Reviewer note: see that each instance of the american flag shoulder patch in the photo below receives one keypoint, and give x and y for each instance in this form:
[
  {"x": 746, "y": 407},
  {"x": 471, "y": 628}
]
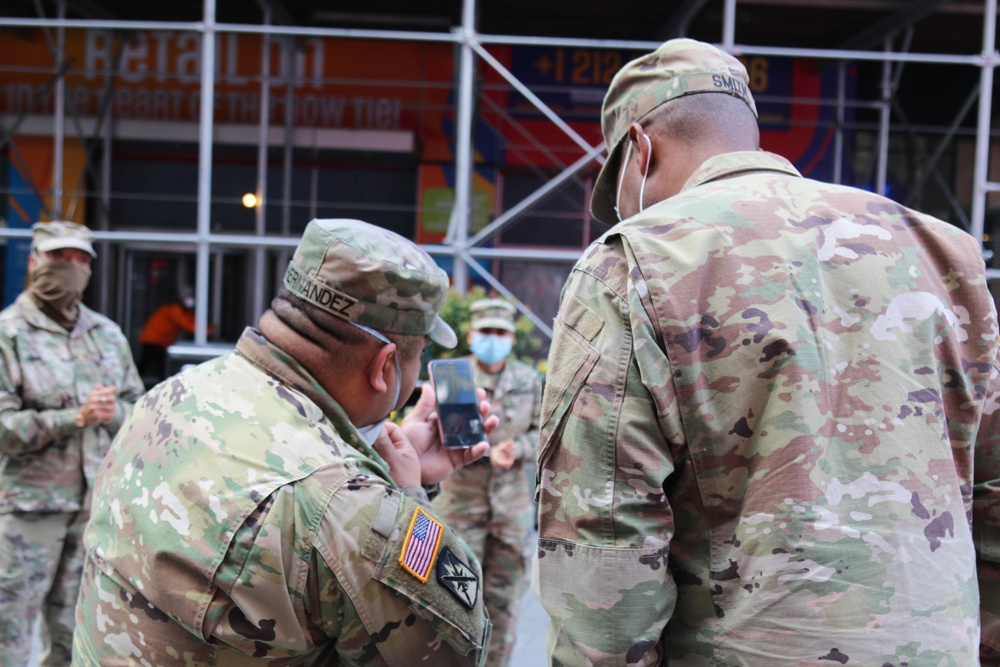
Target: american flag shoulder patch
[{"x": 420, "y": 547}]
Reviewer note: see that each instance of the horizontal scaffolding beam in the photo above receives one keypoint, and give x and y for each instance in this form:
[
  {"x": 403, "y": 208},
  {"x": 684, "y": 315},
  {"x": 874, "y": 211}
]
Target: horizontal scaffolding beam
[
  {"x": 252, "y": 241},
  {"x": 198, "y": 26},
  {"x": 977, "y": 59},
  {"x": 233, "y": 134}
]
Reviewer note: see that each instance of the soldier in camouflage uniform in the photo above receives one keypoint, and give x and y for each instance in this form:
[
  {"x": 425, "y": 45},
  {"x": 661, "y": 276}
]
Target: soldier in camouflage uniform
[
  {"x": 67, "y": 382},
  {"x": 258, "y": 509},
  {"x": 488, "y": 502},
  {"x": 765, "y": 398}
]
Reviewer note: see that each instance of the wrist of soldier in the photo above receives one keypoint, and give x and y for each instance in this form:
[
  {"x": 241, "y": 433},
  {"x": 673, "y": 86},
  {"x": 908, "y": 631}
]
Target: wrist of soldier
[
  {"x": 405, "y": 480},
  {"x": 402, "y": 474},
  {"x": 116, "y": 415},
  {"x": 418, "y": 494}
]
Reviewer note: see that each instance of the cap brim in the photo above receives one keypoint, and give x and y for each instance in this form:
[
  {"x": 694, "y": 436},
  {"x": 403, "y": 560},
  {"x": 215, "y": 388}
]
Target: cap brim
[
  {"x": 602, "y": 202},
  {"x": 442, "y": 334},
  {"x": 493, "y": 323},
  {"x": 57, "y": 244}
]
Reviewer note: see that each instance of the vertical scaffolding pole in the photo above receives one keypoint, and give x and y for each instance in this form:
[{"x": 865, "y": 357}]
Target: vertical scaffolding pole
[
  {"x": 205, "y": 171},
  {"x": 285, "y": 254},
  {"x": 883, "y": 123},
  {"x": 981, "y": 170},
  {"x": 260, "y": 212},
  {"x": 462, "y": 211},
  {"x": 288, "y": 56},
  {"x": 220, "y": 264},
  {"x": 59, "y": 117},
  {"x": 838, "y": 137},
  {"x": 729, "y": 24},
  {"x": 104, "y": 221},
  {"x": 106, "y": 139}
]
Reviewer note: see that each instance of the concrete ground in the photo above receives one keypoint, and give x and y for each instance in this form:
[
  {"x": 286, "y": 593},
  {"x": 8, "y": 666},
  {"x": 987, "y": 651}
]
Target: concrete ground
[{"x": 529, "y": 651}]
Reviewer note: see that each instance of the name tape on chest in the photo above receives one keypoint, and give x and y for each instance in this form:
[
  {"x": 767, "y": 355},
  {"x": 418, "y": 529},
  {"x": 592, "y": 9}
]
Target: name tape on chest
[{"x": 420, "y": 547}]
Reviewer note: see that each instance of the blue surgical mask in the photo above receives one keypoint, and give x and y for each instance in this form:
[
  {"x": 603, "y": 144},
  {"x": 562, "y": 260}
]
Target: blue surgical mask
[
  {"x": 490, "y": 349},
  {"x": 371, "y": 431}
]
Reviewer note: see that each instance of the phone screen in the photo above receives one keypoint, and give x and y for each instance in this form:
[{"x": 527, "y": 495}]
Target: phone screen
[{"x": 459, "y": 420}]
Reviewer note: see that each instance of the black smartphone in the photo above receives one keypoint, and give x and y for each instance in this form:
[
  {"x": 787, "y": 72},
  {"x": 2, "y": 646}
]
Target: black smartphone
[{"x": 459, "y": 421}]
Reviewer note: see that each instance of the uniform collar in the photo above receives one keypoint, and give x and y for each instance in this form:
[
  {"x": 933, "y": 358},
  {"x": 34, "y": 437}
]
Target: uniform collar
[
  {"x": 276, "y": 362},
  {"x": 34, "y": 316},
  {"x": 733, "y": 164},
  {"x": 501, "y": 379}
]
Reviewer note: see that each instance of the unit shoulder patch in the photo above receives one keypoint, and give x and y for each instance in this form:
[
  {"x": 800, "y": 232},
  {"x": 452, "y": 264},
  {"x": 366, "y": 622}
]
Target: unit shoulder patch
[{"x": 460, "y": 579}]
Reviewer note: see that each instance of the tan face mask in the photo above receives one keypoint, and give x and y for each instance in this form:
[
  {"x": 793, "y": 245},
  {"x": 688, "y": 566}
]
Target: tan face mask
[{"x": 57, "y": 288}]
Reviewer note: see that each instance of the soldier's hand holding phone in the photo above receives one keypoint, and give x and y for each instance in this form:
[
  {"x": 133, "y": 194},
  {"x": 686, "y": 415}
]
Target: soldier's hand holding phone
[
  {"x": 420, "y": 426},
  {"x": 459, "y": 422}
]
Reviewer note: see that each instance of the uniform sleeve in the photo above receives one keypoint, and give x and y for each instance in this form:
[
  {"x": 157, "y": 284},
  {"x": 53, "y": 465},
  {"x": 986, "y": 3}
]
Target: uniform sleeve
[
  {"x": 418, "y": 494},
  {"x": 23, "y": 429},
  {"x": 527, "y": 443},
  {"x": 130, "y": 389},
  {"x": 986, "y": 519},
  {"x": 605, "y": 525},
  {"x": 391, "y": 585}
]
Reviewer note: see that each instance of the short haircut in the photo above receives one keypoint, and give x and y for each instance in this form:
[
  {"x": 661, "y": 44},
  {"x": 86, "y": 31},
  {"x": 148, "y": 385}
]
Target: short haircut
[{"x": 712, "y": 118}]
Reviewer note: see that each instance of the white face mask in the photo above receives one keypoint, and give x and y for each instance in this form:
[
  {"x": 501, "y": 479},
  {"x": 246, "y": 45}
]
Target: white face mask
[
  {"x": 370, "y": 432},
  {"x": 642, "y": 187}
]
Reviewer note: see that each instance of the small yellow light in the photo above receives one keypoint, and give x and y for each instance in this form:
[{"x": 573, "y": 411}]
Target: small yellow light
[{"x": 249, "y": 200}]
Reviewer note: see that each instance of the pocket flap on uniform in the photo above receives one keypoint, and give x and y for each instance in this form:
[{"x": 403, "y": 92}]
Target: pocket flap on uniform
[
  {"x": 577, "y": 326},
  {"x": 576, "y": 359},
  {"x": 580, "y": 318}
]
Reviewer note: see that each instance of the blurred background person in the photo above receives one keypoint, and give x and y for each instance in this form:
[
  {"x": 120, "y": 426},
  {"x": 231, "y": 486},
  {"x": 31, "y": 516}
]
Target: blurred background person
[
  {"x": 67, "y": 383},
  {"x": 488, "y": 502},
  {"x": 162, "y": 330}
]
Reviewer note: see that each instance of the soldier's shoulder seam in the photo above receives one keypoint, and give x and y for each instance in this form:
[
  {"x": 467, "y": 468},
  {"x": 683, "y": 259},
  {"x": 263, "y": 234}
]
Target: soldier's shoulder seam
[{"x": 602, "y": 277}]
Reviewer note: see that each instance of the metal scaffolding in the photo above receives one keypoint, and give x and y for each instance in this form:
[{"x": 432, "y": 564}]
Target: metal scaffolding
[{"x": 467, "y": 250}]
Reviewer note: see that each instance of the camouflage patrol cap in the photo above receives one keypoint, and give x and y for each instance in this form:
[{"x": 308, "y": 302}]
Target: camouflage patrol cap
[
  {"x": 370, "y": 276},
  {"x": 492, "y": 314},
  {"x": 49, "y": 236},
  {"x": 677, "y": 68}
]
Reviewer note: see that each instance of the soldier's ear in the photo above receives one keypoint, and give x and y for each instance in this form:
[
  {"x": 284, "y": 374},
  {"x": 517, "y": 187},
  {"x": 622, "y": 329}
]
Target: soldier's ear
[
  {"x": 380, "y": 366},
  {"x": 643, "y": 148}
]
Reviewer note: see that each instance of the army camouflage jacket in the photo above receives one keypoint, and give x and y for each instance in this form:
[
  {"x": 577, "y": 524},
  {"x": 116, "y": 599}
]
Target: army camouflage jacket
[
  {"x": 765, "y": 400},
  {"x": 240, "y": 519},
  {"x": 47, "y": 462},
  {"x": 516, "y": 399}
]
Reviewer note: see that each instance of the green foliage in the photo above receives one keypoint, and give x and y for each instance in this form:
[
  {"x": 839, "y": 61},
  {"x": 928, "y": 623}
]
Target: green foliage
[{"x": 456, "y": 313}]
